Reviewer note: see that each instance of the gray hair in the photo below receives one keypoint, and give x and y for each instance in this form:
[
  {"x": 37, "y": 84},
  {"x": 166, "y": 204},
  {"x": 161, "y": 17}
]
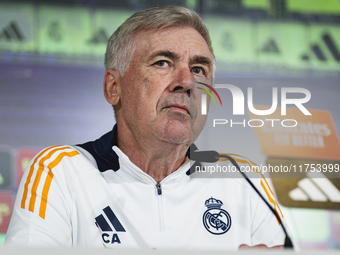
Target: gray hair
[{"x": 120, "y": 46}]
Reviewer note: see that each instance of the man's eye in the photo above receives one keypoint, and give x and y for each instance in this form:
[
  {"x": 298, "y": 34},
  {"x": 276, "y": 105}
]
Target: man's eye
[
  {"x": 161, "y": 63},
  {"x": 198, "y": 70}
]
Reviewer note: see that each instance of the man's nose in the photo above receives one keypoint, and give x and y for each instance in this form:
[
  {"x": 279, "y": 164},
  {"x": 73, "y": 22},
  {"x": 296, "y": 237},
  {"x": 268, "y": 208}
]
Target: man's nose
[{"x": 182, "y": 80}]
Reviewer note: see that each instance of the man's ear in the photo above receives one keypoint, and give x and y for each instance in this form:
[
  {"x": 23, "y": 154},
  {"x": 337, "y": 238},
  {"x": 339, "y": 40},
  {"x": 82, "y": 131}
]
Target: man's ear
[{"x": 112, "y": 86}]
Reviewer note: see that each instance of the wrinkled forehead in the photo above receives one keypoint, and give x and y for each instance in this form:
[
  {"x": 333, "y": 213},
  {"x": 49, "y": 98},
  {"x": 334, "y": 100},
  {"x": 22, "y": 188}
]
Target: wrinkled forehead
[{"x": 182, "y": 40}]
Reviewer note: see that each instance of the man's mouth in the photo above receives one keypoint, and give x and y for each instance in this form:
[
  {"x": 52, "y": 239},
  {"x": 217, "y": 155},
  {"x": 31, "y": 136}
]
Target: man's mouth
[{"x": 180, "y": 108}]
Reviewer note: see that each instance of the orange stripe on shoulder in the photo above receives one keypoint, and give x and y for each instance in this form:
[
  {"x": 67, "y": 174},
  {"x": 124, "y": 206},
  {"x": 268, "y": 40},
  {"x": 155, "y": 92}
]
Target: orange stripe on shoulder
[
  {"x": 271, "y": 200},
  {"x": 29, "y": 176},
  {"x": 38, "y": 176},
  {"x": 49, "y": 178},
  {"x": 39, "y": 166}
]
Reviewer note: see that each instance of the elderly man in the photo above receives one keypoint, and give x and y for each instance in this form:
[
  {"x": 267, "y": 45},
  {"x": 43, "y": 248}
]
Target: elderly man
[{"x": 131, "y": 188}]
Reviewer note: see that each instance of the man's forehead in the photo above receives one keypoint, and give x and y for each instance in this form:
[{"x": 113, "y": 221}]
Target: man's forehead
[{"x": 178, "y": 40}]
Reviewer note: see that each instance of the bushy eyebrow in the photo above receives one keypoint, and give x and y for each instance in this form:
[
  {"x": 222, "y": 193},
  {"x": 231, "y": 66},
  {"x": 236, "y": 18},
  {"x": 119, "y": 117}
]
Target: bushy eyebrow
[
  {"x": 164, "y": 53},
  {"x": 198, "y": 59},
  {"x": 202, "y": 60}
]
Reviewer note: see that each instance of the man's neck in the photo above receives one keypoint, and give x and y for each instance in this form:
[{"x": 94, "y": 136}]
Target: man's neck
[
  {"x": 158, "y": 166},
  {"x": 158, "y": 159}
]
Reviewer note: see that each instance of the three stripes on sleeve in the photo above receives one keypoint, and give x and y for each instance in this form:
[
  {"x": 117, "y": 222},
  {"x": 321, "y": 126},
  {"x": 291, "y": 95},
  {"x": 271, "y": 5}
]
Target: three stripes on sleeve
[{"x": 38, "y": 181}]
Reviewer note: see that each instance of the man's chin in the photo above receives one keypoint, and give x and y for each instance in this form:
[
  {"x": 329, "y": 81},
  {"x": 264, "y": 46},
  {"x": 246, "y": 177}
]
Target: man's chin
[{"x": 176, "y": 133}]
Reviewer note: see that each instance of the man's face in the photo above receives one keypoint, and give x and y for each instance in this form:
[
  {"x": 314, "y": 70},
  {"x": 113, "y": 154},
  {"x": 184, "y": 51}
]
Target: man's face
[{"x": 155, "y": 90}]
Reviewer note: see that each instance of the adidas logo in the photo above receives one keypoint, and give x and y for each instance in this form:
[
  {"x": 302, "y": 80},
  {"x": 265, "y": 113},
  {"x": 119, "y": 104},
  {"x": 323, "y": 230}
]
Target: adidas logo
[
  {"x": 99, "y": 37},
  {"x": 317, "y": 188},
  {"x": 270, "y": 47},
  {"x": 11, "y": 33},
  {"x": 319, "y": 54},
  {"x": 107, "y": 222}
]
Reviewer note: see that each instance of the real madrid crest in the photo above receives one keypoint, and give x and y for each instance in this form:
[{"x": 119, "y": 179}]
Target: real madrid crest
[{"x": 216, "y": 220}]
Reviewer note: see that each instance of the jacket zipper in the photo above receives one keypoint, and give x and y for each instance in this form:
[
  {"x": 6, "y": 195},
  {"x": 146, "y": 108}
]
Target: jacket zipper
[
  {"x": 159, "y": 188},
  {"x": 160, "y": 206}
]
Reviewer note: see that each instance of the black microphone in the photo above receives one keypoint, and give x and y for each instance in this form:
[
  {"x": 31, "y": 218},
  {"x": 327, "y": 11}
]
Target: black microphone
[
  {"x": 204, "y": 156},
  {"x": 214, "y": 156}
]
